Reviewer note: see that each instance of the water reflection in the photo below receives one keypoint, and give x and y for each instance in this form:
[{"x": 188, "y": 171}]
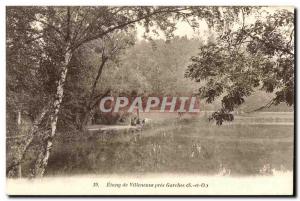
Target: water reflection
[{"x": 185, "y": 148}]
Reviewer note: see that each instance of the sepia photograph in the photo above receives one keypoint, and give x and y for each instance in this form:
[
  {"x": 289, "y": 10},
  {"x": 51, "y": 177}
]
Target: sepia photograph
[{"x": 150, "y": 100}]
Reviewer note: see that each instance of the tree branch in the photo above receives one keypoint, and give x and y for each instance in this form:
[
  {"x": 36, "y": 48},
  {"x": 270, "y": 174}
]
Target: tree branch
[
  {"x": 100, "y": 35},
  {"x": 268, "y": 105}
]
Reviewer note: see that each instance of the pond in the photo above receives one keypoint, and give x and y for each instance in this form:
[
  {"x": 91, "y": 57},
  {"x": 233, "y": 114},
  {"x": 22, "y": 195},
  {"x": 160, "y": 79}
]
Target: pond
[{"x": 189, "y": 145}]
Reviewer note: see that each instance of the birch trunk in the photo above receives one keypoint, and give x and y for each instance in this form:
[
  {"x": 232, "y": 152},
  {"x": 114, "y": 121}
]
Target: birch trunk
[
  {"x": 44, "y": 155},
  {"x": 19, "y": 167},
  {"x": 19, "y": 119},
  {"x": 13, "y": 163}
]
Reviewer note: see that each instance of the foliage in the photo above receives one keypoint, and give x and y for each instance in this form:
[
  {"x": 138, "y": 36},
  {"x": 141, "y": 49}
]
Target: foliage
[{"x": 245, "y": 57}]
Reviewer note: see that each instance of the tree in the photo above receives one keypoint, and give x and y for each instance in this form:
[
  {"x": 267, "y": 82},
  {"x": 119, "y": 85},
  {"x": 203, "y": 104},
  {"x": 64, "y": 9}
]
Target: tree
[
  {"x": 247, "y": 56},
  {"x": 27, "y": 95},
  {"x": 82, "y": 87}
]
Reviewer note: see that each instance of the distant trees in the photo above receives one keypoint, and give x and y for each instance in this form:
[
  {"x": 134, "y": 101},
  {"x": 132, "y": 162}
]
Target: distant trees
[
  {"x": 157, "y": 67},
  {"x": 246, "y": 56}
]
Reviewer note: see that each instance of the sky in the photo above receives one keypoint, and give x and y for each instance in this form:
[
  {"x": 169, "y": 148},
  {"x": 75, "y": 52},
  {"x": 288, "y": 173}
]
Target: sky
[{"x": 184, "y": 29}]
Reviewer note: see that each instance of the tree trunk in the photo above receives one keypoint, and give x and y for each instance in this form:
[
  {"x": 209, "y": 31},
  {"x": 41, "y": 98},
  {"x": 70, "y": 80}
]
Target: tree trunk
[
  {"x": 104, "y": 59},
  {"x": 19, "y": 168},
  {"x": 90, "y": 105},
  {"x": 13, "y": 163},
  {"x": 19, "y": 121},
  {"x": 85, "y": 119},
  {"x": 44, "y": 155},
  {"x": 91, "y": 109}
]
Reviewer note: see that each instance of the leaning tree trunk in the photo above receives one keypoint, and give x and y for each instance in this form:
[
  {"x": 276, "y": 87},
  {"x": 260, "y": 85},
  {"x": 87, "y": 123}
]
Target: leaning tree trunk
[
  {"x": 90, "y": 103},
  {"x": 86, "y": 118},
  {"x": 43, "y": 157},
  {"x": 26, "y": 142}
]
